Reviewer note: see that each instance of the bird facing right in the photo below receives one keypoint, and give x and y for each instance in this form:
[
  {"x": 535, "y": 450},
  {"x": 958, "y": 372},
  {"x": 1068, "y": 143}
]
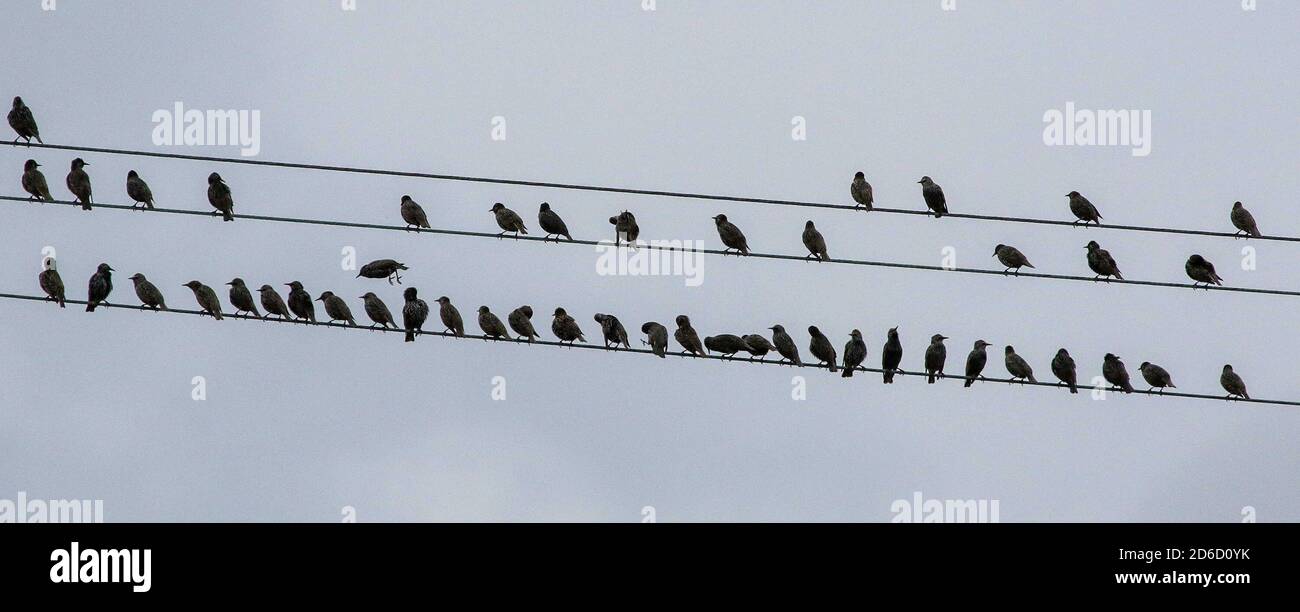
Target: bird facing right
[
  {"x": 79, "y": 183},
  {"x": 34, "y": 183},
  {"x": 51, "y": 283},
  {"x": 855, "y": 352},
  {"x": 521, "y": 320},
  {"x": 891, "y": 356},
  {"x": 101, "y": 284},
  {"x": 975, "y": 362},
  {"x": 935, "y": 356},
  {"x": 220, "y": 198}
]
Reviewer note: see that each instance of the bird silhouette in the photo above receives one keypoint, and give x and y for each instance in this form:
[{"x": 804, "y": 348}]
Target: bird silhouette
[
  {"x": 814, "y": 242},
  {"x": 383, "y": 268},
  {"x": 855, "y": 352},
  {"x": 551, "y": 223},
  {"x": 273, "y": 303},
  {"x": 508, "y": 220},
  {"x": 22, "y": 121},
  {"x": 101, "y": 284},
  {"x": 1083, "y": 210},
  {"x": 933, "y": 195},
  {"x": 820, "y": 346},
  {"x": 891, "y": 356},
  {"x": 220, "y": 198},
  {"x": 413, "y": 214},
  {"x": 450, "y": 317},
  {"x": 336, "y": 308},
  {"x": 34, "y": 183},
  {"x": 656, "y": 338},
  {"x": 1063, "y": 368},
  {"x": 207, "y": 299},
  {"x": 149, "y": 295},
  {"x": 378, "y": 311},
  {"x": 79, "y": 183},
  {"x": 975, "y": 362},
  {"x": 521, "y": 320},
  {"x": 935, "y": 356},
  {"x": 138, "y": 191},
  {"x": 1243, "y": 221},
  {"x": 731, "y": 235},
  {"x": 861, "y": 192},
  {"x": 242, "y": 299},
  {"x": 51, "y": 283},
  {"x": 414, "y": 314}
]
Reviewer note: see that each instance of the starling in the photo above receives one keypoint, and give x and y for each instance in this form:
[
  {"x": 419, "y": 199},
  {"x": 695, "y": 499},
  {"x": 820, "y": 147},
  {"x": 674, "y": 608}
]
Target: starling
[
  {"x": 101, "y": 284},
  {"x": 241, "y": 298},
  {"x": 300, "y": 302},
  {"x": 521, "y": 320},
  {"x": 861, "y": 191},
  {"x": 612, "y": 330},
  {"x": 508, "y": 220},
  {"x": 1011, "y": 257},
  {"x": 34, "y": 182},
  {"x": 21, "y": 120},
  {"x": 149, "y": 295},
  {"x": 935, "y": 355},
  {"x": 625, "y": 228},
  {"x": 656, "y": 338},
  {"x": 414, "y": 314},
  {"x": 1156, "y": 376},
  {"x": 1101, "y": 262},
  {"x": 726, "y": 344},
  {"x": 412, "y": 214},
  {"x": 1083, "y": 209},
  {"x": 220, "y": 198},
  {"x": 1243, "y": 221},
  {"x": 1232, "y": 383},
  {"x": 934, "y": 199},
  {"x": 785, "y": 346},
  {"x": 1018, "y": 367},
  {"x": 565, "y": 328},
  {"x": 731, "y": 235},
  {"x": 51, "y": 283},
  {"x": 758, "y": 346},
  {"x": 1063, "y": 368},
  {"x": 138, "y": 191},
  {"x": 855, "y": 352},
  {"x": 821, "y": 348},
  {"x": 551, "y": 223},
  {"x": 491, "y": 325},
  {"x": 812, "y": 239},
  {"x": 79, "y": 183},
  {"x": 975, "y": 362},
  {"x": 336, "y": 308},
  {"x": 206, "y": 297},
  {"x": 383, "y": 268},
  {"x": 1201, "y": 271},
  {"x": 891, "y": 356},
  {"x": 451, "y": 320},
  {"x": 378, "y": 312},
  {"x": 273, "y": 303},
  {"x": 1112, "y": 369},
  {"x": 688, "y": 338}
]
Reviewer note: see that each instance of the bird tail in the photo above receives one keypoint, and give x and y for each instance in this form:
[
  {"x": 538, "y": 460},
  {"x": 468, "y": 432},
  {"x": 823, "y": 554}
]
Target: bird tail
[
  {"x": 217, "y": 315},
  {"x": 1255, "y": 233},
  {"x": 1074, "y": 388},
  {"x": 1032, "y": 379},
  {"x": 930, "y": 378},
  {"x": 85, "y": 204},
  {"x": 848, "y": 372},
  {"x": 90, "y": 306},
  {"x": 1128, "y": 388},
  {"x": 410, "y": 336},
  {"x": 61, "y": 304},
  {"x": 227, "y": 214},
  {"x": 832, "y": 366},
  {"x": 1118, "y": 275},
  {"x": 969, "y": 381},
  {"x": 889, "y": 377}
]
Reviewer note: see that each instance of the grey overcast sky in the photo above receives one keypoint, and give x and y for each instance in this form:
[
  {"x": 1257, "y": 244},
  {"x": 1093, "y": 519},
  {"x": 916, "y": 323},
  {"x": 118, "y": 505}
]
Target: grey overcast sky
[{"x": 699, "y": 96}]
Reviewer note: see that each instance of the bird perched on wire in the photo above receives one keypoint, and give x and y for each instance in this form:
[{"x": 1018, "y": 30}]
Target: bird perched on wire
[
  {"x": 51, "y": 283},
  {"x": 1083, "y": 209},
  {"x": 377, "y": 310},
  {"x": 1156, "y": 376},
  {"x": 566, "y": 328},
  {"x": 220, "y": 198},
  {"x": 975, "y": 362},
  {"x": 413, "y": 214},
  {"x": 101, "y": 284},
  {"x": 820, "y": 346},
  {"x": 1232, "y": 383},
  {"x": 138, "y": 191},
  {"x": 1018, "y": 367},
  {"x": 34, "y": 182},
  {"x": 383, "y": 268},
  {"x": 935, "y": 356},
  {"x": 273, "y": 303},
  {"x": 656, "y": 338},
  {"x": 625, "y": 228},
  {"x": 687, "y": 337},
  {"x": 22, "y": 121},
  {"x": 933, "y": 195},
  {"x": 79, "y": 183},
  {"x": 551, "y": 223},
  {"x": 521, "y": 320},
  {"x": 300, "y": 302},
  {"x": 508, "y": 220},
  {"x": 414, "y": 314},
  {"x": 1201, "y": 271},
  {"x": 1101, "y": 262},
  {"x": 207, "y": 299},
  {"x": 726, "y": 345},
  {"x": 149, "y": 295},
  {"x": 891, "y": 356},
  {"x": 758, "y": 346},
  {"x": 612, "y": 330},
  {"x": 336, "y": 308},
  {"x": 785, "y": 346},
  {"x": 861, "y": 192},
  {"x": 814, "y": 242},
  {"x": 1063, "y": 368},
  {"x": 1113, "y": 370},
  {"x": 855, "y": 352},
  {"x": 491, "y": 325},
  {"x": 1243, "y": 221},
  {"x": 450, "y": 317},
  {"x": 241, "y": 298},
  {"x": 1011, "y": 257},
  {"x": 731, "y": 235}
]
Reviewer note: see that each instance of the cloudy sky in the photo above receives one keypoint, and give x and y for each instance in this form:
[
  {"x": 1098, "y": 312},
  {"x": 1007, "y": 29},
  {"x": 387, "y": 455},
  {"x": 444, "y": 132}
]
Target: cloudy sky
[{"x": 300, "y": 423}]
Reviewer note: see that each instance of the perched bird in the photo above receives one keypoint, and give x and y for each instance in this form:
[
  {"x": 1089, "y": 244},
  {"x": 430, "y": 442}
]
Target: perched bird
[
  {"x": 51, "y": 283},
  {"x": 414, "y": 313},
  {"x": 508, "y": 220},
  {"x": 1083, "y": 209},
  {"x": 891, "y": 356},
  {"x": 1243, "y": 221},
  {"x": 758, "y": 346},
  {"x": 377, "y": 310},
  {"x": 815, "y": 243},
  {"x": 625, "y": 228},
  {"x": 861, "y": 192},
  {"x": 34, "y": 182},
  {"x": 656, "y": 338},
  {"x": 612, "y": 330},
  {"x": 687, "y": 337},
  {"x": 1018, "y": 367},
  {"x": 300, "y": 302},
  {"x": 1156, "y": 376},
  {"x": 566, "y": 328},
  {"x": 785, "y": 345},
  {"x": 79, "y": 183},
  {"x": 820, "y": 346},
  {"x": 491, "y": 325},
  {"x": 1201, "y": 271},
  {"x": 521, "y": 320},
  {"x": 731, "y": 235},
  {"x": 1233, "y": 383},
  {"x": 1063, "y": 368},
  {"x": 412, "y": 214},
  {"x": 220, "y": 198},
  {"x": 933, "y": 195},
  {"x": 1011, "y": 257},
  {"x": 726, "y": 344},
  {"x": 551, "y": 223},
  {"x": 935, "y": 355},
  {"x": 383, "y": 268},
  {"x": 138, "y": 191},
  {"x": 101, "y": 284},
  {"x": 1101, "y": 262},
  {"x": 149, "y": 295},
  {"x": 855, "y": 352},
  {"x": 975, "y": 362},
  {"x": 206, "y": 297},
  {"x": 273, "y": 303},
  {"x": 451, "y": 320},
  {"x": 336, "y": 308},
  {"x": 1113, "y": 370},
  {"x": 22, "y": 121},
  {"x": 241, "y": 298}
]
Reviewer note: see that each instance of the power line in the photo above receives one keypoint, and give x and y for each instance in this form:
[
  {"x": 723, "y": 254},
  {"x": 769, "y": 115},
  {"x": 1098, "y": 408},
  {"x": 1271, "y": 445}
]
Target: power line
[
  {"x": 672, "y": 248},
  {"x": 639, "y": 351},
  {"x": 633, "y": 191}
]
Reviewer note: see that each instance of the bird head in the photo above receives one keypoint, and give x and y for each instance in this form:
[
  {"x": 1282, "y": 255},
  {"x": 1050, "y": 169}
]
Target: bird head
[
  {"x": 980, "y": 344},
  {"x": 1010, "y": 350},
  {"x": 193, "y": 285},
  {"x": 49, "y": 264},
  {"x": 18, "y": 102},
  {"x": 1196, "y": 260},
  {"x": 893, "y": 332},
  {"x": 137, "y": 277},
  {"x": 1063, "y": 353},
  {"x": 1236, "y": 205},
  {"x": 30, "y": 165},
  {"x": 859, "y": 177},
  {"x": 496, "y": 207},
  {"x": 855, "y": 334},
  {"x": 78, "y": 163},
  {"x": 215, "y": 178},
  {"x": 997, "y": 249},
  {"x": 1092, "y": 245},
  {"x": 444, "y": 300},
  {"x": 527, "y": 310},
  {"x": 104, "y": 268},
  {"x": 266, "y": 288},
  {"x": 809, "y": 225},
  {"x": 324, "y": 296},
  {"x": 406, "y": 198},
  {"x": 1227, "y": 367},
  {"x": 295, "y": 285},
  {"x": 780, "y": 329},
  {"x": 1110, "y": 357},
  {"x": 646, "y": 327},
  {"x": 132, "y": 174},
  {"x": 545, "y": 206},
  {"x": 409, "y": 294},
  {"x": 1145, "y": 365},
  {"x": 925, "y": 180},
  {"x": 1072, "y": 195},
  {"x": 600, "y": 318},
  {"x": 938, "y": 338},
  {"x": 720, "y": 219},
  {"x": 236, "y": 282},
  {"x": 483, "y": 310},
  {"x": 812, "y": 330},
  {"x": 370, "y": 295},
  {"x": 559, "y": 312}
]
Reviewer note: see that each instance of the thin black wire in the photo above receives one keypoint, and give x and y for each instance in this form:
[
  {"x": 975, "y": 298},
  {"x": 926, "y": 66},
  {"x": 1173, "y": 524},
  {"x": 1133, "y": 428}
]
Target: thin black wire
[
  {"x": 631, "y": 191},
  {"x": 641, "y": 351},
  {"x": 661, "y": 247}
]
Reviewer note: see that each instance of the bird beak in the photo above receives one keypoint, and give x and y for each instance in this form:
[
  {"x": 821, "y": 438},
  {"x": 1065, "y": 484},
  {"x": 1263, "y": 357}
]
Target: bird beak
[
  {"x": 112, "y": 269},
  {"x": 918, "y": 181},
  {"x": 358, "y": 275},
  {"x": 231, "y": 284}
]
